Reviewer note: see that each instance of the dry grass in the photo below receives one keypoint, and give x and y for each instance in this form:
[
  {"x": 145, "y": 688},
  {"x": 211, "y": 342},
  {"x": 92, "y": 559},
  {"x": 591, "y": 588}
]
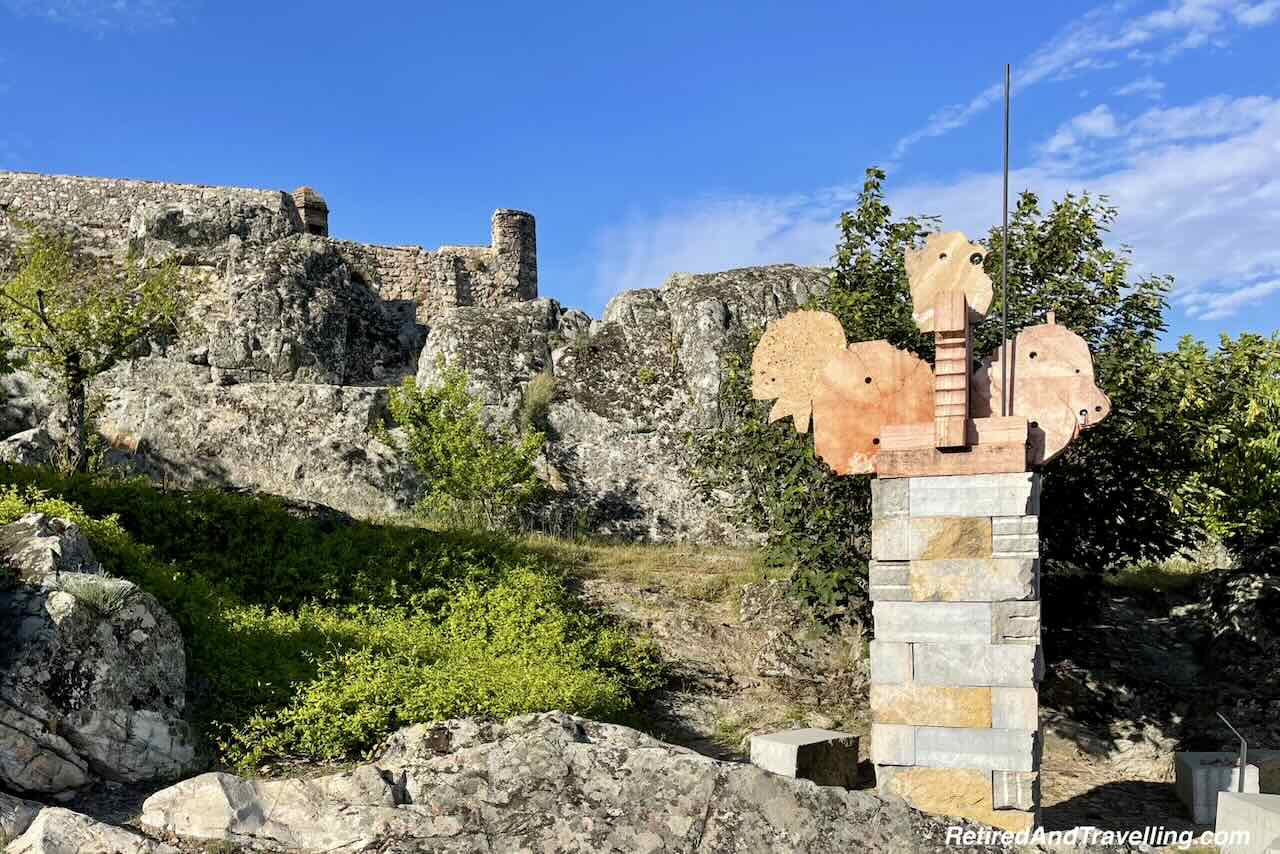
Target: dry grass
[
  {"x": 1177, "y": 573},
  {"x": 705, "y": 573}
]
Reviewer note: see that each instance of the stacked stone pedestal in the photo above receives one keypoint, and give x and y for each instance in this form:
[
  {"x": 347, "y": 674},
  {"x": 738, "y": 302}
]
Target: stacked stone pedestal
[{"x": 956, "y": 659}]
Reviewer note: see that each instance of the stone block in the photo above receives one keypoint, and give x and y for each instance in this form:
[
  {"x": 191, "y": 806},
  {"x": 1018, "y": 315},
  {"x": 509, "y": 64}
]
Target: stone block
[
  {"x": 1015, "y": 790},
  {"x": 974, "y": 580},
  {"x": 962, "y": 792},
  {"x": 889, "y": 497},
  {"x": 890, "y": 663},
  {"x": 933, "y": 622},
  {"x": 931, "y": 705},
  {"x": 893, "y": 744},
  {"x": 891, "y": 538},
  {"x": 1011, "y": 665},
  {"x": 888, "y": 580},
  {"x": 1015, "y": 708},
  {"x": 1012, "y": 526},
  {"x": 941, "y": 537},
  {"x": 1015, "y": 622},
  {"x": 959, "y": 747},
  {"x": 1198, "y": 777},
  {"x": 1254, "y": 821},
  {"x": 827, "y": 757},
  {"x": 1014, "y": 494}
]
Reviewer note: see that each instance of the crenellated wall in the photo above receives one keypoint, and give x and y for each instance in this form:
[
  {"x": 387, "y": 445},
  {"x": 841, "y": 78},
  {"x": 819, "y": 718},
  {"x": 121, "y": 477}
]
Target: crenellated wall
[{"x": 210, "y": 224}]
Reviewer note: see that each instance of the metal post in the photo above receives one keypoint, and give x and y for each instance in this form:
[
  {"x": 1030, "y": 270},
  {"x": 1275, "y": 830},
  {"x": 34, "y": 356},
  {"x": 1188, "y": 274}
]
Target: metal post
[
  {"x": 1244, "y": 754},
  {"x": 1006, "y": 394}
]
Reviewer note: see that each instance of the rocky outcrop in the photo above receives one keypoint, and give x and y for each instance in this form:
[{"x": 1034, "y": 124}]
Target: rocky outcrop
[
  {"x": 629, "y": 389},
  {"x": 297, "y": 336},
  {"x": 93, "y": 674},
  {"x": 547, "y": 782},
  {"x": 61, "y": 831}
]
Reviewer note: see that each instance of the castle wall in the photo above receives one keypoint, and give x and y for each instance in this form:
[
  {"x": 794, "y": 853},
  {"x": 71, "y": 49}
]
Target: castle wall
[
  {"x": 114, "y": 215},
  {"x": 108, "y": 212}
]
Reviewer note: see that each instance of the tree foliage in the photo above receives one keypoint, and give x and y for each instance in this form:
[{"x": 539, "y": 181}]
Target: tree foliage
[
  {"x": 1228, "y": 404},
  {"x": 73, "y": 316},
  {"x": 470, "y": 475},
  {"x": 1107, "y": 500}
]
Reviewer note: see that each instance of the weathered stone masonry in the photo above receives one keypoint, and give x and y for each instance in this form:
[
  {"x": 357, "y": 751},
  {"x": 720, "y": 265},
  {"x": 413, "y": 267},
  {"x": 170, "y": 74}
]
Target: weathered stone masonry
[
  {"x": 956, "y": 659},
  {"x": 114, "y": 214}
]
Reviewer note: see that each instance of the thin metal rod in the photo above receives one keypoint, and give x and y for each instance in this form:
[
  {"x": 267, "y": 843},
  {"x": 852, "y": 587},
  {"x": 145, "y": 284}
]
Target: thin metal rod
[
  {"x": 1244, "y": 753},
  {"x": 1006, "y": 396}
]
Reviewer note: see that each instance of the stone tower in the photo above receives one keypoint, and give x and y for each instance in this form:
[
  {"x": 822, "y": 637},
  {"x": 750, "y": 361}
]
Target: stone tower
[
  {"x": 513, "y": 237},
  {"x": 313, "y": 211}
]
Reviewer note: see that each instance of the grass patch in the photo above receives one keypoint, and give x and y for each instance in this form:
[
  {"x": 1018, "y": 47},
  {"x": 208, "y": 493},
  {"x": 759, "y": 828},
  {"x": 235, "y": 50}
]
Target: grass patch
[
  {"x": 704, "y": 573},
  {"x": 316, "y": 637},
  {"x": 1172, "y": 575}
]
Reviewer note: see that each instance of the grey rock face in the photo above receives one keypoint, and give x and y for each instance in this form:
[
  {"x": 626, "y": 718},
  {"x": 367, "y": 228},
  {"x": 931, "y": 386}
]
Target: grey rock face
[
  {"x": 628, "y": 389},
  {"x": 16, "y": 816},
  {"x": 548, "y": 782},
  {"x": 93, "y": 681},
  {"x": 38, "y": 546},
  {"x": 61, "y": 831}
]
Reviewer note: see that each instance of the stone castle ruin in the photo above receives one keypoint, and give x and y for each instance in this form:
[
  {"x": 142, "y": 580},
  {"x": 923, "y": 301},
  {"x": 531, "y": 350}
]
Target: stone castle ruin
[{"x": 299, "y": 335}]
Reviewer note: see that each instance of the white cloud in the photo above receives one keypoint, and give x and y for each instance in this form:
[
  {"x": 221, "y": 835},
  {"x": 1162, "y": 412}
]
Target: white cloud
[
  {"x": 1197, "y": 187},
  {"x": 1217, "y": 304},
  {"x": 718, "y": 234},
  {"x": 99, "y": 15},
  {"x": 1144, "y": 87},
  {"x": 1102, "y": 38}
]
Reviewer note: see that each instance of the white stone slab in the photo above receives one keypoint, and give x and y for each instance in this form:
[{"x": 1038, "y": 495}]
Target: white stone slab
[
  {"x": 891, "y": 538},
  {"x": 974, "y": 580},
  {"x": 890, "y": 663},
  {"x": 1254, "y": 819},
  {"x": 1015, "y": 622},
  {"x": 964, "y": 747},
  {"x": 977, "y": 664},
  {"x": 889, "y": 497},
  {"x": 889, "y": 581},
  {"x": 1198, "y": 777},
  {"x": 1015, "y": 494},
  {"x": 827, "y": 757},
  {"x": 893, "y": 744},
  {"x": 933, "y": 622}
]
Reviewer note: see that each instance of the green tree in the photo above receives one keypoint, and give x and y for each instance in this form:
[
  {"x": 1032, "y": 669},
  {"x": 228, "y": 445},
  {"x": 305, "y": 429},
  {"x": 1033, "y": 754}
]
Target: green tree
[
  {"x": 73, "y": 316},
  {"x": 1107, "y": 500},
  {"x": 1229, "y": 403},
  {"x": 469, "y": 473}
]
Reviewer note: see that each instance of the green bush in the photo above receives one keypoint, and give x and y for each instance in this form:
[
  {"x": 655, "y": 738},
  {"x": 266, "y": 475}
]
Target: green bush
[
  {"x": 317, "y": 637},
  {"x": 471, "y": 474}
]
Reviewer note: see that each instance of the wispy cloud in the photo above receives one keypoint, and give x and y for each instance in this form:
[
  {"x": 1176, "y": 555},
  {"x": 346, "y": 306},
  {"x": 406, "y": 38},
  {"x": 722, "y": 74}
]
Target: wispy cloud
[
  {"x": 99, "y": 15},
  {"x": 716, "y": 234},
  {"x": 1213, "y": 304},
  {"x": 1144, "y": 87},
  {"x": 1103, "y": 38},
  {"x": 1197, "y": 187}
]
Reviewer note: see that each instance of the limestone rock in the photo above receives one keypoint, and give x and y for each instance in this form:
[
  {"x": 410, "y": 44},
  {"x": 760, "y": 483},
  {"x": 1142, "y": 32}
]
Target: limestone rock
[
  {"x": 94, "y": 682},
  {"x": 964, "y": 792},
  {"x": 33, "y": 447},
  {"x": 61, "y": 831},
  {"x": 534, "y": 783}
]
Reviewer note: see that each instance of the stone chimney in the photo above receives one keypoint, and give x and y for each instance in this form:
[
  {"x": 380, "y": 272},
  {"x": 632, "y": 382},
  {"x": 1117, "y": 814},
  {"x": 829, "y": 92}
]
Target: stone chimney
[{"x": 313, "y": 210}]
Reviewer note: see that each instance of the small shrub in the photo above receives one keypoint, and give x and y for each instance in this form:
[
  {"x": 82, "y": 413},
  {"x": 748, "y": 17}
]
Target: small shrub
[
  {"x": 102, "y": 595},
  {"x": 472, "y": 476},
  {"x": 536, "y": 405}
]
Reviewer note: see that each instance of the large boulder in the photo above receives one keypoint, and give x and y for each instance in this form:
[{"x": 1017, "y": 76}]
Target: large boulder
[
  {"x": 61, "y": 831},
  {"x": 546, "y": 782},
  {"x": 93, "y": 680}
]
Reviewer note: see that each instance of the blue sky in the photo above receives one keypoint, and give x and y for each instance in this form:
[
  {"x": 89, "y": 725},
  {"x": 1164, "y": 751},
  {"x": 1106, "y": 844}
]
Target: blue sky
[{"x": 655, "y": 137}]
